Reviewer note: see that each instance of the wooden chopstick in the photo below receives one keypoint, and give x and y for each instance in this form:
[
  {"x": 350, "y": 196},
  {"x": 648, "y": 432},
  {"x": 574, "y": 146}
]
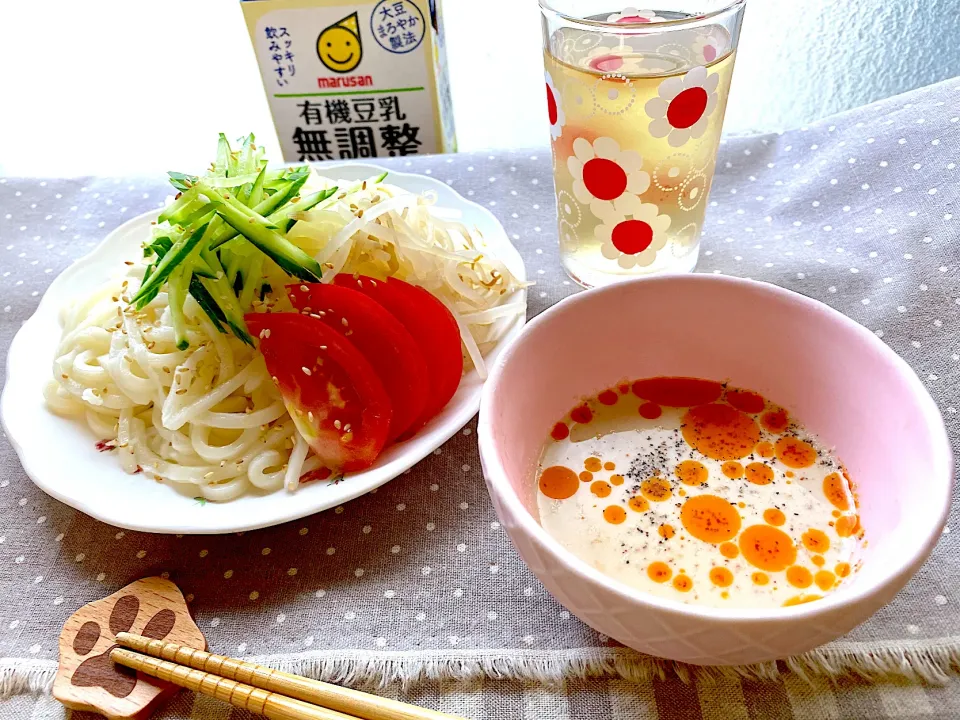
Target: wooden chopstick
[
  {"x": 332, "y": 699},
  {"x": 256, "y": 700}
]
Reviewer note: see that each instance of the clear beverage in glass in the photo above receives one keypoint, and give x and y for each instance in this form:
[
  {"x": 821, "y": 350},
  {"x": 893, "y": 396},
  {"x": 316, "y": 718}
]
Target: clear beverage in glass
[{"x": 636, "y": 99}]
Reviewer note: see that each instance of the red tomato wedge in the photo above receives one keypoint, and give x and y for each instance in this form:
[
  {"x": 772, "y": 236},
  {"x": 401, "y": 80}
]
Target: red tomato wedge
[
  {"x": 338, "y": 403},
  {"x": 382, "y": 340},
  {"x": 432, "y": 326}
]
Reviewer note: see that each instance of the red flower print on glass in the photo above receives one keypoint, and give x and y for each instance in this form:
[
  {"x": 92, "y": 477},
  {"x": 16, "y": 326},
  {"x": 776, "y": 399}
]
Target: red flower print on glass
[
  {"x": 683, "y": 107},
  {"x": 633, "y": 232},
  {"x": 602, "y": 172},
  {"x": 554, "y": 108},
  {"x": 632, "y": 15},
  {"x": 707, "y": 48},
  {"x": 619, "y": 60}
]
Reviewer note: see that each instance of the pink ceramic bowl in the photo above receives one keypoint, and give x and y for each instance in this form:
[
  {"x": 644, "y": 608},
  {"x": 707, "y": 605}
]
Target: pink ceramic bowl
[{"x": 840, "y": 380}]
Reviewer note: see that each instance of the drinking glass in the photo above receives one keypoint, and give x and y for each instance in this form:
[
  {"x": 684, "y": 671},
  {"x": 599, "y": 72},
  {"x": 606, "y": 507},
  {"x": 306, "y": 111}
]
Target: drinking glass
[{"x": 636, "y": 99}]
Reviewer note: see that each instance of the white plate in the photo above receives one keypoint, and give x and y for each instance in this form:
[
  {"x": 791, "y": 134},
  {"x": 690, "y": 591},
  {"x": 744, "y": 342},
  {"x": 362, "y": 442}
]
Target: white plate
[{"x": 59, "y": 454}]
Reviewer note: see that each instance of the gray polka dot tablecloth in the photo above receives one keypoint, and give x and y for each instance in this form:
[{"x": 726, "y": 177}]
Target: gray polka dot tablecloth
[{"x": 419, "y": 582}]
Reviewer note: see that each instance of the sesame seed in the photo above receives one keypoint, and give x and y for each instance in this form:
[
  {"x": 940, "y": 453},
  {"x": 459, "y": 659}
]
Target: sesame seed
[
  {"x": 336, "y": 424},
  {"x": 306, "y": 371},
  {"x": 343, "y": 321}
]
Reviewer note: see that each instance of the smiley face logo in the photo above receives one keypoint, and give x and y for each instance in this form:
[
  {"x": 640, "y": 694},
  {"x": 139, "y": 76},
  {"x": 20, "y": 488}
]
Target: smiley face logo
[{"x": 339, "y": 45}]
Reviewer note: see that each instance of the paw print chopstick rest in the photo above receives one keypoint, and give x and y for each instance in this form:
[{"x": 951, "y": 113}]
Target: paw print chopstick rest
[{"x": 86, "y": 677}]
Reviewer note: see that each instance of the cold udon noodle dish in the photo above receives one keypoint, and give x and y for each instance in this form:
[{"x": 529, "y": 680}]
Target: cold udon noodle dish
[
  {"x": 277, "y": 327},
  {"x": 695, "y": 491}
]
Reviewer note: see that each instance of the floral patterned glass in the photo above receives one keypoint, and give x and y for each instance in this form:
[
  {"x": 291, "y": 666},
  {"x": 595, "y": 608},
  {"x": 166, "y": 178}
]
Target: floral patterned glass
[{"x": 635, "y": 100}]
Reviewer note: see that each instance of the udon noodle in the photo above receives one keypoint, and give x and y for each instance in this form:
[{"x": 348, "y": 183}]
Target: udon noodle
[{"x": 208, "y": 418}]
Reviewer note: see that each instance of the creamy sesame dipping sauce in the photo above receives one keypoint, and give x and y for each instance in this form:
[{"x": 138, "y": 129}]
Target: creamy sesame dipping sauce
[{"x": 703, "y": 493}]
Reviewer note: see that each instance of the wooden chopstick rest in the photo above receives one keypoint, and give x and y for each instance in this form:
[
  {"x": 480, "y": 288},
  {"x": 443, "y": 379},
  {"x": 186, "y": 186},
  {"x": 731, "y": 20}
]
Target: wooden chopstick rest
[
  {"x": 337, "y": 698},
  {"x": 247, "y": 697},
  {"x": 86, "y": 679}
]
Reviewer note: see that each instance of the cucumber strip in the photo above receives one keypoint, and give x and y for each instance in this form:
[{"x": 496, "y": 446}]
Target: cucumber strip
[
  {"x": 241, "y": 332},
  {"x": 207, "y": 304},
  {"x": 194, "y": 263},
  {"x": 170, "y": 212},
  {"x": 201, "y": 268},
  {"x": 284, "y": 216},
  {"x": 222, "y": 299},
  {"x": 255, "y": 196},
  {"x": 267, "y": 207},
  {"x": 296, "y": 180},
  {"x": 158, "y": 247},
  {"x": 181, "y": 181},
  {"x": 229, "y": 262},
  {"x": 176, "y": 297},
  {"x": 167, "y": 264},
  {"x": 255, "y": 228},
  {"x": 253, "y": 276},
  {"x": 291, "y": 259},
  {"x": 222, "y": 164},
  {"x": 222, "y": 295},
  {"x": 275, "y": 178},
  {"x": 233, "y": 180},
  {"x": 234, "y": 207},
  {"x": 234, "y": 258},
  {"x": 148, "y": 298},
  {"x": 201, "y": 216},
  {"x": 247, "y": 161},
  {"x": 313, "y": 201},
  {"x": 185, "y": 215}
]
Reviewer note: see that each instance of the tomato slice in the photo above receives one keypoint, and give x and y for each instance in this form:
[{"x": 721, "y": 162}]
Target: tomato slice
[
  {"x": 339, "y": 405},
  {"x": 382, "y": 340},
  {"x": 432, "y": 326}
]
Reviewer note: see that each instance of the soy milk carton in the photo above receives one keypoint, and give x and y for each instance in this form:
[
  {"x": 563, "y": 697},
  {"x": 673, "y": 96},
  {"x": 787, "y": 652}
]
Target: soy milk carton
[{"x": 357, "y": 79}]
